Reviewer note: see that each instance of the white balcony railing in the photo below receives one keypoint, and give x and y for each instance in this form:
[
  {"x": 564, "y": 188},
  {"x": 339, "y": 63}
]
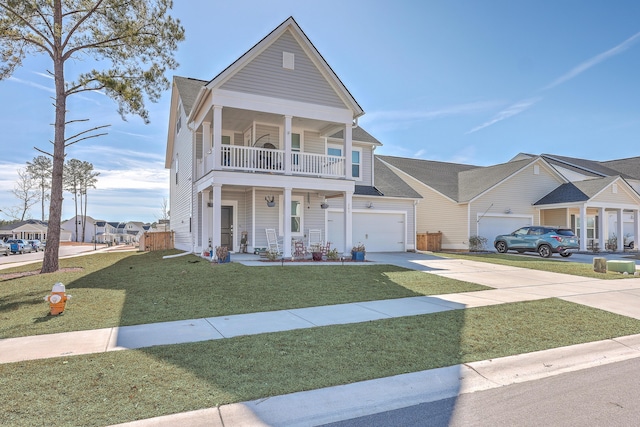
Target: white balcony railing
[{"x": 253, "y": 159}]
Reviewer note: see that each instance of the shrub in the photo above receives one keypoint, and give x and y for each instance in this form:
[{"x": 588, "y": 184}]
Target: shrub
[{"x": 477, "y": 243}]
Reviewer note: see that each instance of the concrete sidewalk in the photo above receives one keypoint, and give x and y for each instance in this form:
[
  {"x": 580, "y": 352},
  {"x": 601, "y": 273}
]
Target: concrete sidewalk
[{"x": 349, "y": 401}]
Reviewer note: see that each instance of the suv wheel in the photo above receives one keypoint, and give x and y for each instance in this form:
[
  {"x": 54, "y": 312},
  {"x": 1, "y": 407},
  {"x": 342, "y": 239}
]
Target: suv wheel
[
  {"x": 565, "y": 254},
  {"x": 544, "y": 251},
  {"x": 502, "y": 247}
]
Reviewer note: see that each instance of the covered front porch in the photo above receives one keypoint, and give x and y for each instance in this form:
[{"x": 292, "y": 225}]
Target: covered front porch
[
  {"x": 603, "y": 227},
  {"x": 233, "y": 211}
]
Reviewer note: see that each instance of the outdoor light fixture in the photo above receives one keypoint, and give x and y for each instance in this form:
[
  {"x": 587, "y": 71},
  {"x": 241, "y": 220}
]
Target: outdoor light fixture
[{"x": 324, "y": 204}]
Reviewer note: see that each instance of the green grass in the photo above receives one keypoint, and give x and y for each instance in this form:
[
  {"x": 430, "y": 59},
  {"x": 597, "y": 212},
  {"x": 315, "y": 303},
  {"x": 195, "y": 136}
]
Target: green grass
[
  {"x": 102, "y": 389},
  {"x": 536, "y": 263},
  {"x": 117, "y": 289}
]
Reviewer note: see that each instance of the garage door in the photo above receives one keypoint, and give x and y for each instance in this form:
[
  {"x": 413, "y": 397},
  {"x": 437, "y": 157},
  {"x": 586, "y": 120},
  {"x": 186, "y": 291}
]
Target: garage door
[
  {"x": 491, "y": 226},
  {"x": 379, "y": 231}
]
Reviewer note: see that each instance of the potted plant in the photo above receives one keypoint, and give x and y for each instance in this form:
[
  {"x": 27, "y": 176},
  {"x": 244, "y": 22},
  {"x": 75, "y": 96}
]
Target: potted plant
[
  {"x": 316, "y": 251},
  {"x": 222, "y": 254},
  {"x": 333, "y": 254},
  {"x": 358, "y": 252}
]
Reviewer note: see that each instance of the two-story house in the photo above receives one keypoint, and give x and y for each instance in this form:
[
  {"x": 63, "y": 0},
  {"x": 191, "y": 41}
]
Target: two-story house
[{"x": 273, "y": 142}]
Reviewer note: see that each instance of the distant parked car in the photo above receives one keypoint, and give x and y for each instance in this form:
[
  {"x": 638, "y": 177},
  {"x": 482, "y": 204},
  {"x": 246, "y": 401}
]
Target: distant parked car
[
  {"x": 5, "y": 248},
  {"x": 629, "y": 241},
  {"x": 543, "y": 240},
  {"x": 20, "y": 246},
  {"x": 37, "y": 245}
]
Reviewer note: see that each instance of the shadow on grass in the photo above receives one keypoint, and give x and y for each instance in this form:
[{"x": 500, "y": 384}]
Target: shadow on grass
[{"x": 259, "y": 366}]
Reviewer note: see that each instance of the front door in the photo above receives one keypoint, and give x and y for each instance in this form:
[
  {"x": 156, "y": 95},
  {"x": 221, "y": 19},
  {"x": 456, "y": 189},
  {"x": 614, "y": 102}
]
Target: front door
[{"x": 226, "y": 227}]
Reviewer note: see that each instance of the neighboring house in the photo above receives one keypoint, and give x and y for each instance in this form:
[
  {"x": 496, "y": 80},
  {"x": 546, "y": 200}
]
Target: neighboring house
[
  {"x": 134, "y": 230},
  {"x": 29, "y": 230},
  {"x": 463, "y": 200},
  {"x": 106, "y": 232},
  {"x": 71, "y": 224},
  {"x": 272, "y": 142}
]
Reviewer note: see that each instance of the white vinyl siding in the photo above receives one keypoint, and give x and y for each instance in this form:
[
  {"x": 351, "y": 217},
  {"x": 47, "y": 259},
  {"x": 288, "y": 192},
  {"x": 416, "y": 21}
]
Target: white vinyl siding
[
  {"x": 265, "y": 76},
  {"x": 180, "y": 195},
  {"x": 516, "y": 194},
  {"x": 621, "y": 197},
  {"x": 436, "y": 213}
]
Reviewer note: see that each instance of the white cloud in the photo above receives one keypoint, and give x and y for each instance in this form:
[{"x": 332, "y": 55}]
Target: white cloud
[
  {"x": 510, "y": 111},
  {"x": 594, "y": 61},
  {"x": 32, "y": 84}
]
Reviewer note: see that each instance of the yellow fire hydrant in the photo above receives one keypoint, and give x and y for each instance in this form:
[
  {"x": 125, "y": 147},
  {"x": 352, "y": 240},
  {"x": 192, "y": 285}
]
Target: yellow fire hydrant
[{"x": 57, "y": 299}]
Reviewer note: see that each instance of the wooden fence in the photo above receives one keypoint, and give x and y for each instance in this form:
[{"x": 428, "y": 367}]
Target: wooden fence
[
  {"x": 156, "y": 241},
  {"x": 429, "y": 241}
]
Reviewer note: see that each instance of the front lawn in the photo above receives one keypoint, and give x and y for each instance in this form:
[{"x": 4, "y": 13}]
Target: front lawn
[
  {"x": 117, "y": 289},
  {"x": 108, "y": 388},
  {"x": 534, "y": 262}
]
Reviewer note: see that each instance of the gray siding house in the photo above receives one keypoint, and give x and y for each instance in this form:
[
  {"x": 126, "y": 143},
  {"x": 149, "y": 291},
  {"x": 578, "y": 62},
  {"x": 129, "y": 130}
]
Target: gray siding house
[{"x": 273, "y": 142}]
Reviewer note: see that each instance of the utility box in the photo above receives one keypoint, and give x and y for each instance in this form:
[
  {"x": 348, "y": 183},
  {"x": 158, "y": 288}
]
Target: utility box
[{"x": 621, "y": 266}]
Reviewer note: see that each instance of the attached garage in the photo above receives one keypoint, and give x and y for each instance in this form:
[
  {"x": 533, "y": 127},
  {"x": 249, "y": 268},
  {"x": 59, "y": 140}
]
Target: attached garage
[
  {"x": 491, "y": 226},
  {"x": 380, "y": 231}
]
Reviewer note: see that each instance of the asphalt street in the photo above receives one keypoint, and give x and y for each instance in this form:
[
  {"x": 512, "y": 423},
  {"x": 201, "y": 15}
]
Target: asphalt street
[
  {"x": 65, "y": 250},
  {"x": 606, "y": 395}
]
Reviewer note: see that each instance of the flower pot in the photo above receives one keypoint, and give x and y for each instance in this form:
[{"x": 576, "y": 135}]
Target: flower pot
[
  {"x": 225, "y": 260},
  {"x": 357, "y": 256},
  {"x": 316, "y": 256}
]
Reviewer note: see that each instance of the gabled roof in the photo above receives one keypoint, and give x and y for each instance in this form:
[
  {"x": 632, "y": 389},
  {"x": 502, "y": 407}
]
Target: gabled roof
[
  {"x": 578, "y": 191},
  {"x": 290, "y": 24},
  {"x": 627, "y": 167},
  {"x": 14, "y": 225},
  {"x": 188, "y": 89},
  {"x": 390, "y": 184},
  {"x": 591, "y": 167},
  {"x": 474, "y": 182},
  {"x": 357, "y": 134},
  {"x": 441, "y": 176}
]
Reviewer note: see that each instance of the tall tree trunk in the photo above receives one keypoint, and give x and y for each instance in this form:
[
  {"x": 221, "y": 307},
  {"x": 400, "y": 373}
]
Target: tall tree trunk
[
  {"x": 75, "y": 199},
  {"x": 42, "y": 194},
  {"x": 83, "y": 213},
  {"x": 50, "y": 261}
]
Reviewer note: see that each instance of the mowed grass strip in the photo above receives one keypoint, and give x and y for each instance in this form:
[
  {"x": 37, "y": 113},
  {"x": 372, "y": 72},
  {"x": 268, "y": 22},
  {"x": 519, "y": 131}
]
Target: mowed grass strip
[
  {"x": 117, "y": 289},
  {"x": 108, "y": 388},
  {"x": 534, "y": 262}
]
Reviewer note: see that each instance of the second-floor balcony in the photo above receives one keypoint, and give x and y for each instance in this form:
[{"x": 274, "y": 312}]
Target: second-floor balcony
[{"x": 260, "y": 159}]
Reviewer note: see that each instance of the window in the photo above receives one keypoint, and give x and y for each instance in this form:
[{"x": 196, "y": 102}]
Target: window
[
  {"x": 356, "y": 159},
  {"x": 179, "y": 117},
  {"x": 355, "y": 163},
  {"x": 176, "y": 171},
  {"x": 295, "y": 147},
  {"x": 297, "y": 213},
  {"x": 296, "y": 217}
]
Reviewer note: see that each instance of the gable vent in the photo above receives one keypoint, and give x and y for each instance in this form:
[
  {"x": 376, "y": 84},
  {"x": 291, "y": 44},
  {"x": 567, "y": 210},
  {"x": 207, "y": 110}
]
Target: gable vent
[
  {"x": 614, "y": 188},
  {"x": 288, "y": 60}
]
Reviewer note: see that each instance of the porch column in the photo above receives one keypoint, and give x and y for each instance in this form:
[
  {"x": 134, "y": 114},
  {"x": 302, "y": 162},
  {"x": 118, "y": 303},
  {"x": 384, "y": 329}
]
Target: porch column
[
  {"x": 602, "y": 231},
  {"x": 216, "y": 238},
  {"x": 217, "y": 138},
  {"x": 348, "y": 218},
  {"x": 348, "y": 147},
  {"x": 636, "y": 227},
  {"x": 286, "y": 223},
  {"x": 583, "y": 227},
  {"x": 620, "y": 230},
  {"x": 206, "y": 147},
  {"x": 206, "y": 219},
  {"x": 287, "y": 145}
]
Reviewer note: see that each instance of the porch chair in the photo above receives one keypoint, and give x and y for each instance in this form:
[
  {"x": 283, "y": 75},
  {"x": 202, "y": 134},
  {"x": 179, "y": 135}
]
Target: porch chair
[
  {"x": 299, "y": 250},
  {"x": 272, "y": 240}
]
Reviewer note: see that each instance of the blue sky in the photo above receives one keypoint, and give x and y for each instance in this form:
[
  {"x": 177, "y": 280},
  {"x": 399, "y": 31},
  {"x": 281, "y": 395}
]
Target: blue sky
[{"x": 455, "y": 81}]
